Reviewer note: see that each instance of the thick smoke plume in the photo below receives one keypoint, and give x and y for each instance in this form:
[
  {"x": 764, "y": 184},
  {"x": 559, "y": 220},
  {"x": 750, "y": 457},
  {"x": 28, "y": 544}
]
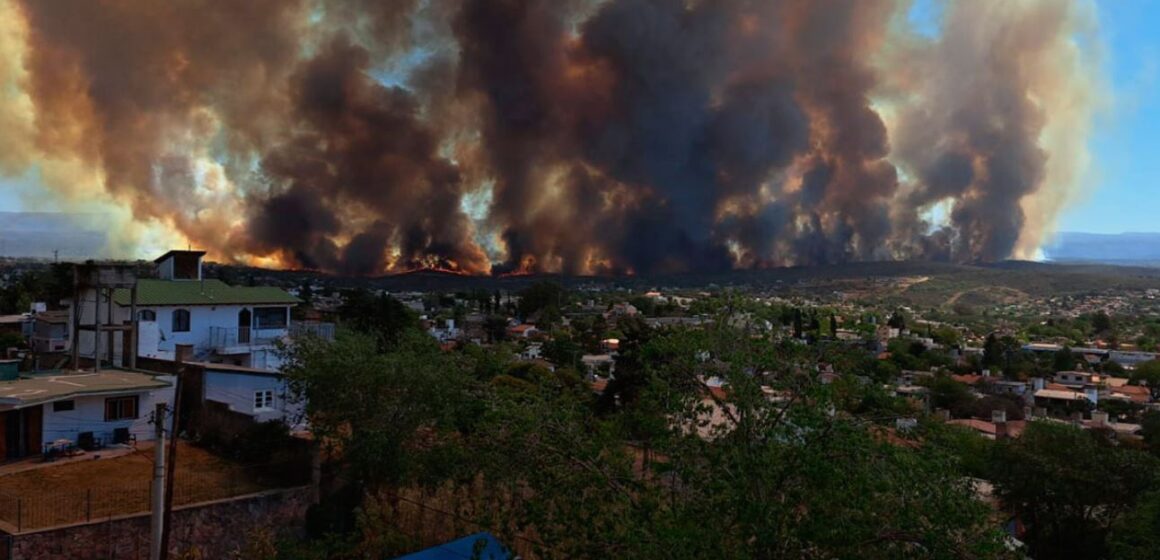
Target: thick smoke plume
[{"x": 579, "y": 136}]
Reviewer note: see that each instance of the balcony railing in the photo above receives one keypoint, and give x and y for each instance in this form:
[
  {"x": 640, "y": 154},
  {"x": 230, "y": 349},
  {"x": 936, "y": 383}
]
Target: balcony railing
[
  {"x": 222, "y": 338},
  {"x": 232, "y": 337},
  {"x": 324, "y": 331}
]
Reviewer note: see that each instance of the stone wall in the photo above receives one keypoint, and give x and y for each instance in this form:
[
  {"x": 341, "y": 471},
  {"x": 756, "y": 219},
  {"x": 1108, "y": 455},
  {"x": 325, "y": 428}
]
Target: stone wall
[{"x": 210, "y": 530}]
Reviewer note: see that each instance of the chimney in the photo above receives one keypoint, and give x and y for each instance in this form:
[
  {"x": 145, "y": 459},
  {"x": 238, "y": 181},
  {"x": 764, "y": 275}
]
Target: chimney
[
  {"x": 182, "y": 353},
  {"x": 1099, "y": 419}
]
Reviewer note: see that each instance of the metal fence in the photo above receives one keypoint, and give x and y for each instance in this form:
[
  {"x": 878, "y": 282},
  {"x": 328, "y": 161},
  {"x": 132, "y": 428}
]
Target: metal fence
[{"x": 49, "y": 508}]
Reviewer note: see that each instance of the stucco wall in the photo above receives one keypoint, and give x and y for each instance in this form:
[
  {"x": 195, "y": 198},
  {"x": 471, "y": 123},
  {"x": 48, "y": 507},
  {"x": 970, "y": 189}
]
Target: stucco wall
[
  {"x": 215, "y": 530},
  {"x": 89, "y": 416},
  {"x": 236, "y": 390}
]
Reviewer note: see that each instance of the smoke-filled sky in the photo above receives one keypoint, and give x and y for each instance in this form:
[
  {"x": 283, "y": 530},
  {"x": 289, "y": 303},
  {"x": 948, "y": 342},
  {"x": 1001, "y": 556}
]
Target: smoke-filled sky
[{"x": 577, "y": 136}]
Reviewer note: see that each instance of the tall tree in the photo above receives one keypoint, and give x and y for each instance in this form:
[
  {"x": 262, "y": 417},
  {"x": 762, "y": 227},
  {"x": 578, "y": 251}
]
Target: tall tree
[{"x": 1069, "y": 487}]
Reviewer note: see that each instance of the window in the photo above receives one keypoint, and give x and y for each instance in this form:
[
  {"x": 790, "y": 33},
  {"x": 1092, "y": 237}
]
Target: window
[
  {"x": 271, "y": 317},
  {"x": 64, "y": 406},
  {"x": 180, "y": 320},
  {"x": 263, "y": 400},
  {"x": 147, "y": 315},
  {"x": 120, "y": 408}
]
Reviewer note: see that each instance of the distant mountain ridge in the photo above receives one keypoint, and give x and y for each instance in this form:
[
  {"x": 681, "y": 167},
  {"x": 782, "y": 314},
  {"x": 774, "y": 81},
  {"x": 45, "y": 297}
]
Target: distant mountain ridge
[
  {"x": 39, "y": 234},
  {"x": 1115, "y": 248}
]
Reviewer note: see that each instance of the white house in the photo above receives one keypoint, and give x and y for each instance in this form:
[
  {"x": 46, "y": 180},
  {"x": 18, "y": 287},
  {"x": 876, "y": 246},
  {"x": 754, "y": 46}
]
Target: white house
[
  {"x": 263, "y": 395},
  {"x": 108, "y": 406},
  {"x": 236, "y": 325}
]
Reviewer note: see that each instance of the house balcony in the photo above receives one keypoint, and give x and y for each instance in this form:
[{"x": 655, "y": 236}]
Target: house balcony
[
  {"x": 243, "y": 340},
  {"x": 324, "y": 331}
]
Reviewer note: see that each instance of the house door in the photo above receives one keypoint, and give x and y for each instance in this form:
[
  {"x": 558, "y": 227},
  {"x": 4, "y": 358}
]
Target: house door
[
  {"x": 22, "y": 430},
  {"x": 244, "y": 322}
]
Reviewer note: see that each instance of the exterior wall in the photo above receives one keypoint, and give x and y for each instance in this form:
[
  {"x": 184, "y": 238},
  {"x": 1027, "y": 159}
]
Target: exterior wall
[
  {"x": 158, "y": 340},
  {"x": 212, "y": 530},
  {"x": 89, "y": 416},
  {"x": 91, "y": 306},
  {"x": 236, "y": 390}
]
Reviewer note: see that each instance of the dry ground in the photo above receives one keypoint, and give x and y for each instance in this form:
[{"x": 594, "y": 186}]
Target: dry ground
[{"x": 94, "y": 489}]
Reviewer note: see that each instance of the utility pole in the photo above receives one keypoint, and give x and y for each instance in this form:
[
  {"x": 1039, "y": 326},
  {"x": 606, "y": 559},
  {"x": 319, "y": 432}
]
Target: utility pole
[
  {"x": 171, "y": 475},
  {"x": 156, "y": 526}
]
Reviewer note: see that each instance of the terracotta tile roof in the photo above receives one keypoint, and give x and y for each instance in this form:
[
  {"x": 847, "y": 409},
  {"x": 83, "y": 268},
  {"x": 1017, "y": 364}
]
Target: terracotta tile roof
[
  {"x": 1132, "y": 390},
  {"x": 1014, "y": 427}
]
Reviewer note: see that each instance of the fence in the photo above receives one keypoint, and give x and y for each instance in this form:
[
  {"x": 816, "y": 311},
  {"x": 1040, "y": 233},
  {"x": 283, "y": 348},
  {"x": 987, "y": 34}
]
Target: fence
[
  {"x": 54, "y": 508},
  {"x": 427, "y": 518}
]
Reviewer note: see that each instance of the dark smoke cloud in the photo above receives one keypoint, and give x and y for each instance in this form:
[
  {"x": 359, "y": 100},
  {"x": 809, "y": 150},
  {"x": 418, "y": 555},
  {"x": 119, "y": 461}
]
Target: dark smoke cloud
[{"x": 583, "y": 136}]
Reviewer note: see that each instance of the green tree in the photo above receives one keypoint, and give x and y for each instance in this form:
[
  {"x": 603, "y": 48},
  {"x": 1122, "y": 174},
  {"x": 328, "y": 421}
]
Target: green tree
[
  {"x": 1136, "y": 535},
  {"x": 1148, "y": 373},
  {"x": 563, "y": 352},
  {"x": 1068, "y": 487},
  {"x": 375, "y": 407},
  {"x": 897, "y": 320},
  {"x": 1101, "y": 323},
  {"x": 383, "y": 317},
  {"x": 1064, "y": 360},
  {"x": 543, "y": 298},
  {"x": 1150, "y": 430},
  {"x": 993, "y": 352},
  {"x": 951, "y": 395}
]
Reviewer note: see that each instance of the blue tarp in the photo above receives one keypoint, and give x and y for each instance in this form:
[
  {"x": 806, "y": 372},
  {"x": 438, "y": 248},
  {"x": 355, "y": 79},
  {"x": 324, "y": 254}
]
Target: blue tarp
[{"x": 481, "y": 546}]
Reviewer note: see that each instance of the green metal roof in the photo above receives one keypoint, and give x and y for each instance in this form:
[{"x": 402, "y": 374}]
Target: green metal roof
[{"x": 204, "y": 292}]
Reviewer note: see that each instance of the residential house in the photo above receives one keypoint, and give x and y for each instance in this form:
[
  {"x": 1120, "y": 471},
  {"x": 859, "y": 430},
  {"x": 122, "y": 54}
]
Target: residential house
[
  {"x": 109, "y": 406},
  {"x": 1131, "y": 393},
  {"x": 1049, "y": 397},
  {"x": 522, "y": 331},
  {"x": 50, "y": 332},
  {"x": 260, "y": 394},
  {"x": 998, "y": 428},
  {"x": 594, "y": 363},
  {"x": 236, "y": 325},
  {"x": 1076, "y": 379}
]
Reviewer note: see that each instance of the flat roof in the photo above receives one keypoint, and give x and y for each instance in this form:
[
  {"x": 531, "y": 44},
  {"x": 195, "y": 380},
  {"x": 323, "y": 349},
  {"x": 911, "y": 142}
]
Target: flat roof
[
  {"x": 1059, "y": 395},
  {"x": 42, "y": 388},
  {"x": 230, "y": 368}
]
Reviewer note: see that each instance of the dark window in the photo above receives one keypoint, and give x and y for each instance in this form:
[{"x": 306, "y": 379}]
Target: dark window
[
  {"x": 120, "y": 408},
  {"x": 180, "y": 320},
  {"x": 147, "y": 315},
  {"x": 271, "y": 317},
  {"x": 64, "y": 406}
]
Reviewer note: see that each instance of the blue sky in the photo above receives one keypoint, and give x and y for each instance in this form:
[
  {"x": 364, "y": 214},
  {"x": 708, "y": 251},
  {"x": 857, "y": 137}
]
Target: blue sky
[{"x": 1123, "y": 191}]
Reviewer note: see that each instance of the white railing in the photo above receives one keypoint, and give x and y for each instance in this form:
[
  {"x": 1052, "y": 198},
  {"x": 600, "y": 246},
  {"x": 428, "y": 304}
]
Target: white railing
[
  {"x": 324, "y": 331},
  {"x": 233, "y": 337}
]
